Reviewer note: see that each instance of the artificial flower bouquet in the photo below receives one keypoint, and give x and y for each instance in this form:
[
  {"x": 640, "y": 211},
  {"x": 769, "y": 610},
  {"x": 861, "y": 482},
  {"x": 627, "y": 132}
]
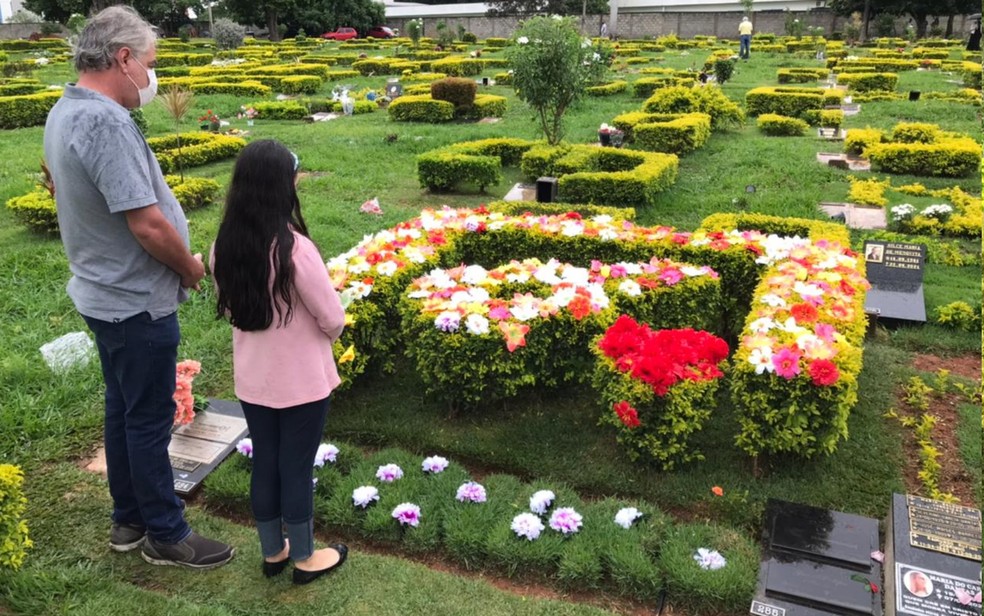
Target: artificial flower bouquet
[
  {"x": 657, "y": 387},
  {"x": 210, "y": 121},
  {"x": 184, "y": 398}
]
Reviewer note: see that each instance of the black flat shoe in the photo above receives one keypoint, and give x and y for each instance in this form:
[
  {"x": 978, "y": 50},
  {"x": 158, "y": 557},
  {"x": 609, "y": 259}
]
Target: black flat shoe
[
  {"x": 306, "y": 577},
  {"x": 274, "y": 569}
]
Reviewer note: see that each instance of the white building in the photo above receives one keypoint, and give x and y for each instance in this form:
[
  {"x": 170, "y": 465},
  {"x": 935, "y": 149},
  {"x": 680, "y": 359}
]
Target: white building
[{"x": 8, "y": 8}]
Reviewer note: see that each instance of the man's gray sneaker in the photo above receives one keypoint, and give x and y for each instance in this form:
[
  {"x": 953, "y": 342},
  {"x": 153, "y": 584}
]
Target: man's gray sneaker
[
  {"x": 126, "y": 537},
  {"x": 195, "y": 552}
]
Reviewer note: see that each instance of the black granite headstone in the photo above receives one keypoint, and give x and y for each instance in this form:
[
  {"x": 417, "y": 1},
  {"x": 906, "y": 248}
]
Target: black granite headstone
[
  {"x": 895, "y": 271},
  {"x": 198, "y": 448},
  {"x": 817, "y": 562},
  {"x": 546, "y": 190},
  {"x": 933, "y": 558}
]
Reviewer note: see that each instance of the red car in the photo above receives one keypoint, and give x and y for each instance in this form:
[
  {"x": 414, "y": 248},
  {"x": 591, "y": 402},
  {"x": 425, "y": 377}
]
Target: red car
[
  {"x": 342, "y": 34},
  {"x": 381, "y": 32}
]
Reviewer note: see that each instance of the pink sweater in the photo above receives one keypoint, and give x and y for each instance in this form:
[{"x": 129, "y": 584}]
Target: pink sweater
[{"x": 281, "y": 367}]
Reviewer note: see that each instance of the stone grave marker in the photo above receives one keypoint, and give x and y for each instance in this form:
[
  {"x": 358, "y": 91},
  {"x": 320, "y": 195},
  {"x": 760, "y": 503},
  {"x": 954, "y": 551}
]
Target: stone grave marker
[
  {"x": 895, "y": 270},
  {"x": 197, "y": 448},
  {"x": 817, "y": 562},
  {"x": 933, "y": 558},
  {"x": 843, "y": 161},
  {"x": 856, "y": 216}
]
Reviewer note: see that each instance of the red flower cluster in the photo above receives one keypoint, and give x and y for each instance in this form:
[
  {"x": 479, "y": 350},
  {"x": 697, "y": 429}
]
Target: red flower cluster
[
  {"x": 628, "y": 415},
  {"x": 662, "y": 358},
  {"x": 824, "y": 372}
]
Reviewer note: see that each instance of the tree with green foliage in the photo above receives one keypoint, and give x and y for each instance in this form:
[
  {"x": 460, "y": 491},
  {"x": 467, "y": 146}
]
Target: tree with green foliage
[
  {"x": 552, "y": 66},
  {"x": 919, "y": 10}
]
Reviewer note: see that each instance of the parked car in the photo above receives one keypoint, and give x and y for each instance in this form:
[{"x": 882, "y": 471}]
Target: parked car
[
  {"x": 381, "y": 32},
  {"x": 342, "y": 34}
]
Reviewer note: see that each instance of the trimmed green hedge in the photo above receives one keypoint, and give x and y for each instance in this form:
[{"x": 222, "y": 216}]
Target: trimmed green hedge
[
  {"x": 608, "y": 89},
  {"x": 197, "y": 148},
  {"x": 781, "y": 126},
  {"x": 945, "y": 158},
  {"x": 801, "y": 75},
  {"x": 420, "y": 108},
  {"x": 678, "y": 136},
  {"x": 646, "y": 86},
  {"x": 867, "y": 82},
  {"x": 476, "y": 162},
  {"x": 707, "y": 99},
  {"x": 27, "y": 110},
  {"x": 790, "y": 101},
  {"x": 301, "y": 84}
]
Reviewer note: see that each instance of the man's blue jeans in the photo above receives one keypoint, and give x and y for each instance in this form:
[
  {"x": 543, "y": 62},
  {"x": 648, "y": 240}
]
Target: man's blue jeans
[
  {"x": 744, "y": 45},
  {"x": 139, "y": 357}
]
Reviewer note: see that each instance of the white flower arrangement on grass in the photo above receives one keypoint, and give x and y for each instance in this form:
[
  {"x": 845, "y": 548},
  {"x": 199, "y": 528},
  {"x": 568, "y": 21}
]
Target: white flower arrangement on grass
[
  {"x": 407, "y": 514},
  {"x": 527, "y": 525},
  {"x": 389, "y": 473},
  {"x": 541, "y": 501},
  {"x": 471, "y": 492},
  {"x": 434, "y": 464},
  {"x": 566, "y": 520},
  {"x": 709, "y": 560},
  {"x": 326, "y": 453},
  {"x": 626, "y": 517},
  {"x": 364, "y": 496}
]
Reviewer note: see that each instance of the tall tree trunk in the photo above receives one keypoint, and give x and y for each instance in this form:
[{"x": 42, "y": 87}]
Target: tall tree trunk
[
  {"x": 272, "y": 26},
  {"x": 949, "y": 26},
  {"x": 920, "y": 25},
  {"x": 866, "y": 18}
]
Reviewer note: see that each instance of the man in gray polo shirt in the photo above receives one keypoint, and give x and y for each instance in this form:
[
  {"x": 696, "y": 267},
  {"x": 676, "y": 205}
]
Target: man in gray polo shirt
[{"x": 126, "y": 238}]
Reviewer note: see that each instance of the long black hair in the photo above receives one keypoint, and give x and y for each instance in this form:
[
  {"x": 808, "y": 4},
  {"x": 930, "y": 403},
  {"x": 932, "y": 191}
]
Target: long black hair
[{"x": 262, "y": 210}]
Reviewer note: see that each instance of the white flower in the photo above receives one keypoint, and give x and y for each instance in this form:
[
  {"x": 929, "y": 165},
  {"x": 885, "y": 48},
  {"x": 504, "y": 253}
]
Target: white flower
[
  {"x": 602, "y": 219},
  {"x": 773, "y": 300},
  {"x": 524, "y": 312},
  {"x": 571, "y": 228},
  {"x": 476, "y": 325},
  {"x": 608, "y": 234},
  {"x": 474, "y": 274},
  {"x": 386, "y": 268},
  {"x": 364, "y": 496},
  {"x": 471, "y": 492},
  {"x": 245, "y": 447},
  {"x": 596, "y": 57},
  {"x": 557, "y": 17},
  {"x": 625, "y": 517},
  {"x": 527, "y": 525},
  {"x": 434, "y": 464},
  {"x": 541, "y": 501},
  {"x": 566, "y": 520},
  {"x": 761, "y": 358},
  {"x": 576, "y": 275},
  {"x": 326, "y": 453},
  {"x": 709, "y": 559},
  {"x": 389, "y": 473},
  {"x": 523, "y": 40},
  {"x": 630, "y": 288},
  {"x": 903, "y": 212},
  {"x": 448, "y": 321}
]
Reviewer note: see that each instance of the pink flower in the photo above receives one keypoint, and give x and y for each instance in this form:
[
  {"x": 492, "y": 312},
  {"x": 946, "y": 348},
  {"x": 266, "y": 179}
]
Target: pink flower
[
  {"x": 824, "y": 372},
  {"x": 671, "y": 276},
  {"x": 407, "y": 514},
  {"x": 389, "y": 473},
  {"x": 471, "y": 492},
  {"x": 786, "y": 362},
  {"x": 371, "y": 207},
  {"x": 566, "y": 520}
]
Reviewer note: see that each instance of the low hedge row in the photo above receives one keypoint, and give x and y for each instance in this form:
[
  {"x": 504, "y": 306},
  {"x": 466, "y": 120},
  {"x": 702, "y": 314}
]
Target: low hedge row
[
  {"x": 781, "y": 126},
  {"x": 678, "y": 136},
  {"x": 193, "y": 193},
  {"x": 165, "y": 60},
  {"x": 608, "y": 89},
  {"x": 242, "y": 88},
  {"x": 801, "y": 75},
  {"x": 789, "y": 101},
  {"x": 827, "y": 118},
  {"x": 27, "y": 109},
  {"x": 958, "y": 157},
  {"x": 652, "y": 555},
  {"x": 459, "y": 67},
  {"x": 706, "y": 99},
  {"x": 473, "y": 162},
  {"x": 971, "y": 72},
  {"x": 646, "y": 86},
  {"x": 420, "y": 108},
  {"x": 385, "y": 66},
  {"x": 866, "y": 82},
  {"x": 197, "y": 148}
]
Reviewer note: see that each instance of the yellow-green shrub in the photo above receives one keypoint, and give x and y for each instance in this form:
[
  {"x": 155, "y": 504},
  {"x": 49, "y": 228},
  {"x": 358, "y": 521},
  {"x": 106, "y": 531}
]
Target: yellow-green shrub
[
  {"x": 36, "y": 210},
  {"x": 27, "y": 110},
  {"x": 608, "y": 89},
  {"x": 457, "y": 66},
  {"x": 485, "y": 106},
  {"x": 420, "y": 108},
  {"x": 183, "y": 59},
  {"x": 193, "y": 193},
  {"x": 827, "y": 118},
  {"x": 197, "y": 148},
  {"x": 279, "y": 110},
  {"x": 915, "y": 132},
  {"x": 958, "y": 315},
  {"x": 654, "y": 173},
  {"x": 868, "y": 192},
  {"x": 340, "y": 75},
  {"x": 646, "y": 86},
  {"x": 781, "y": 126},
  {"x": 866, "y": 82},
  {"x": 860, "y": 139},
  {"x": 789, "y": 101},
  {"x": 801, "y": 75},
  {"x": 957, "y": 157},
  {"x": 301, "y": 84},
  {"x": 971, "y": 72},
  {"x": 707, "y": 99},
  {"x": 677, "y": 136},
  {"x": 288, "y": 70},
  {"x": 443, "y": 169},
  {"x": 242, "y": 88},
  {"x": 14, "y": 539}
]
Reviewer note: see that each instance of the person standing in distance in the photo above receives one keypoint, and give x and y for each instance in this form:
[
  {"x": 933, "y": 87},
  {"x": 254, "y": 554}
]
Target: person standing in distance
[
  {"x": 604, "y": 29},
  {"x": 745, "y": 38},
  {"x": 127, "y": 244}
]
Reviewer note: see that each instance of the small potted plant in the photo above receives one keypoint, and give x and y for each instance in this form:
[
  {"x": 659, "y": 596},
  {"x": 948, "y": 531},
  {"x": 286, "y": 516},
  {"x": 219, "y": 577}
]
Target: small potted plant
[
  {"x": 605, "y": 135},
  {"x": 210, "y": 121}
]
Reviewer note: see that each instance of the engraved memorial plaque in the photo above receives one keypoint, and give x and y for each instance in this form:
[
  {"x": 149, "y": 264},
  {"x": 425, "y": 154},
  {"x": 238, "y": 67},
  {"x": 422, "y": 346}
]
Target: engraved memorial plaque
[
  {"x": 196, "y": 449},
  {"x": 895, "y": 270}
]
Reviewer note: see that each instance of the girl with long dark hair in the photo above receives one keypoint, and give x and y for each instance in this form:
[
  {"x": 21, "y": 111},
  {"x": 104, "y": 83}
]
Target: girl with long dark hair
[{"x": 274, "y": 288}]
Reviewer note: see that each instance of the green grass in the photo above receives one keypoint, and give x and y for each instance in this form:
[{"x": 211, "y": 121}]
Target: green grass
[
  {"x": 548, "y": 437},
  {"x": 969, "y": 435}
]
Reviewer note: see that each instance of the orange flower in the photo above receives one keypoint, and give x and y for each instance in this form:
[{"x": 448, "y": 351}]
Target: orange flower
[{"x": 718, "y": 491}]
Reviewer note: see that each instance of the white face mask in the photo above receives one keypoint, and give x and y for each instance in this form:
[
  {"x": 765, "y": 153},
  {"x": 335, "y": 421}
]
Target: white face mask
[{"x": 146, "y": 94}]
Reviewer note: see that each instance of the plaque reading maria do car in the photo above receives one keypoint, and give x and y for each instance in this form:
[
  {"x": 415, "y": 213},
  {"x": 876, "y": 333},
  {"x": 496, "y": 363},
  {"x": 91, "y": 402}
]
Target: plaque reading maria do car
[
  {"x": 933, "y": 558},
  {"x": 197, "y": 448},
  {"x": 895, "y": 270},
  {"x": 817, "y": 562}
]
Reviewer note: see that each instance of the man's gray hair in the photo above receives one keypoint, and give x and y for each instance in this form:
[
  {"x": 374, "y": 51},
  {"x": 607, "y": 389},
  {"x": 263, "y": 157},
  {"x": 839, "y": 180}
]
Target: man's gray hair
[{"x": 106, "y": 33}]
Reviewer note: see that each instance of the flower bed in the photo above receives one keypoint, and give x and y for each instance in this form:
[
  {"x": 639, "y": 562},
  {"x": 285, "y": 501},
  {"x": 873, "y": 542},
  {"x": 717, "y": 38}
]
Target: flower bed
[
  {"x": 531, "y": 530},
  {"x": 480, "y": 335},
  {"x": 788, "y": 404},
  {"x": 657, "y": 387}
]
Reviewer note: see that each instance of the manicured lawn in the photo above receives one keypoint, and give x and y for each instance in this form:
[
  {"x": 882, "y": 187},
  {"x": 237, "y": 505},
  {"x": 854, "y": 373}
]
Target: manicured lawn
[{"x": 47, "y": 421}]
